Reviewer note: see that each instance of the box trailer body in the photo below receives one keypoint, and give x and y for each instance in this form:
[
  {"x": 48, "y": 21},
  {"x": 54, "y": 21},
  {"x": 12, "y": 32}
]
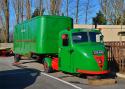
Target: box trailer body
[{"x": 40, "y": 34}]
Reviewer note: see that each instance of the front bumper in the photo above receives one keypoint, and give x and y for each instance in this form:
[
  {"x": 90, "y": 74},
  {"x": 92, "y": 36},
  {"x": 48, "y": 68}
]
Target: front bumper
[{"x": 93, "y": 72}]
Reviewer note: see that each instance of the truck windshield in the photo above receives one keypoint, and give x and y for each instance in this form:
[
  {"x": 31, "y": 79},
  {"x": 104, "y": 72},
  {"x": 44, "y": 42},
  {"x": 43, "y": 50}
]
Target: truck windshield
[
  {"x": 80, "y": 37},
  {"x": 95, "y": 37},
  {"x": 86, "y": 37}
]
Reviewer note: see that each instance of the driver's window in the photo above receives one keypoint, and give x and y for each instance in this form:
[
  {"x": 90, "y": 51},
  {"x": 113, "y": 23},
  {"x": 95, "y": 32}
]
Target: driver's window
[{"x": 65, "y": 40}]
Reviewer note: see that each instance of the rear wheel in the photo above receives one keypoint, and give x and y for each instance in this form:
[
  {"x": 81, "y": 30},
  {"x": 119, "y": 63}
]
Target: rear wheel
[
  {"x": 16, "y": 58},
  {"x": 47, "y": 69}
]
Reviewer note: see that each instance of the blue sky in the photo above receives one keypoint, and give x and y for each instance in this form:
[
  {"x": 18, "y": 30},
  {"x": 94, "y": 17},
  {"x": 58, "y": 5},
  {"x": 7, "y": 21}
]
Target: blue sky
[
  {"x": 12, "y": 17},
  {"x": 92, "y": 12}
]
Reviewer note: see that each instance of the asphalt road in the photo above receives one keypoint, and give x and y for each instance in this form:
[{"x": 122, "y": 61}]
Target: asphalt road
[{"x": 30, "y": 75}]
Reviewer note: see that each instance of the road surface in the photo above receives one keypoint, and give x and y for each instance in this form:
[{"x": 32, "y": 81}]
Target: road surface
[{"x": 30, "y": 75}]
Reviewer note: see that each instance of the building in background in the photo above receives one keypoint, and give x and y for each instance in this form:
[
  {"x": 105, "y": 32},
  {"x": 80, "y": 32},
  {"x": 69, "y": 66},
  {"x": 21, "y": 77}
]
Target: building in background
[{"x": 110, "y": 32}]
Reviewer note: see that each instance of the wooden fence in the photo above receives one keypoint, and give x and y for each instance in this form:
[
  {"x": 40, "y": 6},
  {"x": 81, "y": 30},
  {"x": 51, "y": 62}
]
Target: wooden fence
[{"x": 116, "y": 55}]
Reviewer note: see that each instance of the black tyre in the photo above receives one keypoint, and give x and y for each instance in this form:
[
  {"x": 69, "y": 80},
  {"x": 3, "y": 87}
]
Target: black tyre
[
  {"x": 16, "y": 58},
  {"x": 47, "y": 69}
]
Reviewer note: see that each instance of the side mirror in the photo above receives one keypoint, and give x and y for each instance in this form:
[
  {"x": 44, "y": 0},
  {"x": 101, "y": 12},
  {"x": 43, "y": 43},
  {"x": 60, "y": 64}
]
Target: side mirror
[{"x": 101, "y": 38}]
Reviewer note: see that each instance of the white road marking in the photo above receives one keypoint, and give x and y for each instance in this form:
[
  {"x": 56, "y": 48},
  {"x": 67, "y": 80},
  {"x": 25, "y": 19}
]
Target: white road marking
[{"x": 61, "y": 80}]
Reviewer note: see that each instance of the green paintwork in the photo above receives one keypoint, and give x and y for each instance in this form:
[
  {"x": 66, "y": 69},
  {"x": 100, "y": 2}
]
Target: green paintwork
[
  {"x": 43, "y": 35},
  {"x": 40, "y": 34},
  {"x": 64, "y": 54},
  {"x": 82, "y": 56}
]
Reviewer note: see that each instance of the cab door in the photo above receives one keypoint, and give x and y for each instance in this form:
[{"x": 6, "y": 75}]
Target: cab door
[{"x": 64, "y": 53}]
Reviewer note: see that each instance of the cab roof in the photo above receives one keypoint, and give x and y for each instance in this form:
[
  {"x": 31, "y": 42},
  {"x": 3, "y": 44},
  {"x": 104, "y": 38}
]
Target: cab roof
[
  {"x": 82, "y": 30},
  {"x": 85, "y": 30}
]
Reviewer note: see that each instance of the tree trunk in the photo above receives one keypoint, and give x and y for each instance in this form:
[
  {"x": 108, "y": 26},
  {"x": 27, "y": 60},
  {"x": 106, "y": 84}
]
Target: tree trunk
[
  {"x": 86, "y": 16},
  {"x": 77, "y": 11},
  {"x": 7, "y": 20},
  {"x": 22, "y": 3},
  {"x": 52, "y": 7},
  {"x": 67, "y": 7},
  {"x": 28, "y": 9},
  {"x": 41, "y": 7}
]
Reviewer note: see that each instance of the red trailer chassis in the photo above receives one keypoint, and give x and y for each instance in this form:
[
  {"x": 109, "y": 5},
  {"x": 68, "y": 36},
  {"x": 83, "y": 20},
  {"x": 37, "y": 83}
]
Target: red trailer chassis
[{"x": 6, "y": 52}]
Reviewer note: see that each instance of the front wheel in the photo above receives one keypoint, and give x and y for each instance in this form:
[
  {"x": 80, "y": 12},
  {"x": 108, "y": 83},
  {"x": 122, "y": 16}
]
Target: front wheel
[{"x": 47, "y": 69}]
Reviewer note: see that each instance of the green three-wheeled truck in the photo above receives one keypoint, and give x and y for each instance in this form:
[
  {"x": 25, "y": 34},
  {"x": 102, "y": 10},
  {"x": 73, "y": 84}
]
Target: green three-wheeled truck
[{"x": 54, "y": 41}]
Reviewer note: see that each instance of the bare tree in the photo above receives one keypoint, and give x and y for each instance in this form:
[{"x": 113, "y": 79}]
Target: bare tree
[
  {"x": 58, "y": 7},
  {"x": 87, "y": 8},
  {"x": 67, "y": 7},
  {"x": 77, "y": 11},
  {"x": 6, "y": 13},
  {"x": 16, "y": 6},
  {"x": 52, "y": 7},
  {"x": 1, "y": 11},
  {"x": 55, "y": 7},
  {"x": 104, "y": 6},
  {"x": 21, "y": 5},
  {"x": 47, "y": 6},
  {"x": 113, "y": 10},
  {"x": 28, "y": 9},
  {"x": 67, "y": 4},
  {"x": 86, "y": 11},
  {"x": 41, "y": 7},
  {"x": 2, "y": 22}
]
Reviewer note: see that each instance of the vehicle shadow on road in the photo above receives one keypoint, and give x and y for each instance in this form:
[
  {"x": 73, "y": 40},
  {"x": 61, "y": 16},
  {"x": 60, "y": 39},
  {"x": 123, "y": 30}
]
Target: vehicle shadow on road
[{"x": 18, "y": 78}]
